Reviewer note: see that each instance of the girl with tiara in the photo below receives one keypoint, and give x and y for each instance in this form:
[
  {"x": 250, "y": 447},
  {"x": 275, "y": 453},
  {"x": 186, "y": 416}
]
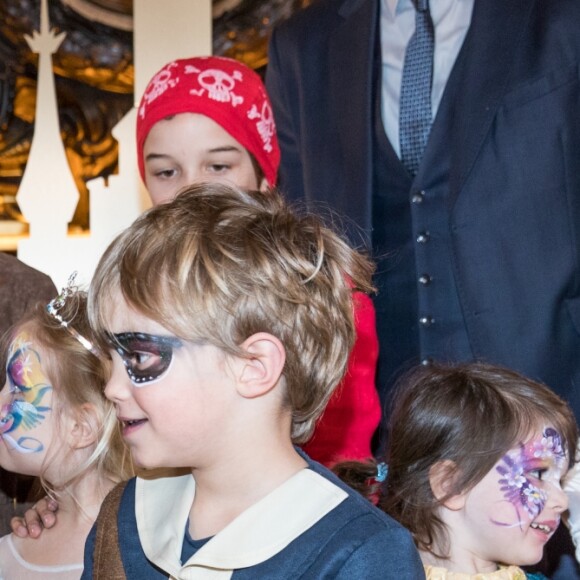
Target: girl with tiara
[
  {"x": 55, "y": 423},
  {"x": 476, "y": 458}
]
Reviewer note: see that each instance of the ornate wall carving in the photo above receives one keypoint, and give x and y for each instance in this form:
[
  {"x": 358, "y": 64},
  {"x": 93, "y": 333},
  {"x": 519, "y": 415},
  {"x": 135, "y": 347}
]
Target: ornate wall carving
[{"x": 94, "y": 80}]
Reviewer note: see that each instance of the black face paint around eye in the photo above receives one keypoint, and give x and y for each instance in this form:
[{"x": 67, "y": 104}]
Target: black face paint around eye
[{"x": 146, "y": 356}]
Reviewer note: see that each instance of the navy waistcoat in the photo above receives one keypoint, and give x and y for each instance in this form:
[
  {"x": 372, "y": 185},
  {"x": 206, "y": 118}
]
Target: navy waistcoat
[{"x": 418, "y": 308}]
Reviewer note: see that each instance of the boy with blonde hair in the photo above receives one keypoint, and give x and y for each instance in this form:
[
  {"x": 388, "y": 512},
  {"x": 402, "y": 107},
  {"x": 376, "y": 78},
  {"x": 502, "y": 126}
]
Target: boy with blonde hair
[{"x": 230, "y": 320}]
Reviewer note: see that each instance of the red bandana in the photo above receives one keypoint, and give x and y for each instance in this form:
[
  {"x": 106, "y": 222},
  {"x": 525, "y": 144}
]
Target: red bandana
[{"x": 223, "y": 89}]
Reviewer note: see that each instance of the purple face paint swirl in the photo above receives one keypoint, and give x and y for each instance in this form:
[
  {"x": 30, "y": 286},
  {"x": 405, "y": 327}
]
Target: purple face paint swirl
[{"x": 519, "y": 470}]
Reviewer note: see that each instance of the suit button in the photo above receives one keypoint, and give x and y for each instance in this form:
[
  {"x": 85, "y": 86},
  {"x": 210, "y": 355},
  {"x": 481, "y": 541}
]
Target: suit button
[
  {"x": 427, "y": 361},
  {"x": 425, "y": 279},
  {"x": 418, "y": 197},
  {"x": 426, "y": 321},
  {"x": 423, "y": 237}
]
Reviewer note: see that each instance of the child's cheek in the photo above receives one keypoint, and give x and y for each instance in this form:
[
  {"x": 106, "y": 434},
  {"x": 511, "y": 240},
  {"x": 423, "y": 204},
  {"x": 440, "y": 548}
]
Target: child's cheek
[{"x": 533, "y": 498}]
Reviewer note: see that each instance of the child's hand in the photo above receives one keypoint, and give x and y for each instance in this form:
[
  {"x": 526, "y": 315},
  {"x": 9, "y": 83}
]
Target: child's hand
[{"x": 40, "y": 515}]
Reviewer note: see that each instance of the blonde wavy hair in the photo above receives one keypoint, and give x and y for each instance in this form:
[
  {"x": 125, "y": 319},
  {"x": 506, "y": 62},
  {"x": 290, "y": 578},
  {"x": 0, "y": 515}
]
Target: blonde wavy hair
[
  {"x": 78, "y": 378},
  {"x": 219, "y": 264}
]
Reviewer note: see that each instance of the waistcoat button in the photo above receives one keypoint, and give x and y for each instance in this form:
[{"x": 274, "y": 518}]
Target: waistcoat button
[{"x": 418, "y": 197}]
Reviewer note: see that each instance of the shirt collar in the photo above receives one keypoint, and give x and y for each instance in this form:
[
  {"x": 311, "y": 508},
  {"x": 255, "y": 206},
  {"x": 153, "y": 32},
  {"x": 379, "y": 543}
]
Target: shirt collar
[
  {"x": 162, "y": 508},
  {"x": 392, "y": 8}
]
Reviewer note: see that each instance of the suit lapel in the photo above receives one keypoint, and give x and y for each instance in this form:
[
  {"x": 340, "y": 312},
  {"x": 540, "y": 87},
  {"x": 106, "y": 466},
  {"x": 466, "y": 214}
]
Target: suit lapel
[{"x": 478, "y": 83}]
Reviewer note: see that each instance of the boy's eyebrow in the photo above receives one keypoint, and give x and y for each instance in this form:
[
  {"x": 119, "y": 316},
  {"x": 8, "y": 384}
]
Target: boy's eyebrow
[{"x": 118, "y": 338}]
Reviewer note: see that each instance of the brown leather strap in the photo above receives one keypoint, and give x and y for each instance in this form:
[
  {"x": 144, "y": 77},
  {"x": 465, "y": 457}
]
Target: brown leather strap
[{"x": 107, "y": 563}]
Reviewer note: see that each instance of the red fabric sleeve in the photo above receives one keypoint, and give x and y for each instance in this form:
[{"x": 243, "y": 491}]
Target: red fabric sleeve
[{"x": 345, "y": 429}]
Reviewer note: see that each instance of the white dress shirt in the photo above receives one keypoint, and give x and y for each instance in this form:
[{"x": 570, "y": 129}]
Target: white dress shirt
[{"x": 451, "y": 19}]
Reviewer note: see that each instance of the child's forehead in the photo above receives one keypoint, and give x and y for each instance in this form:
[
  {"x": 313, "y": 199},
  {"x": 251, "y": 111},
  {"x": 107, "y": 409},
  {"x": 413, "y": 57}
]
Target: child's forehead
[
  {"x": 177, "y": 131},
  {"x": 22, "y": 342},
  {"x": 26, "y": 356},
  {"x": 543, "y": 442},
  {"x": 120, "y": 316}
]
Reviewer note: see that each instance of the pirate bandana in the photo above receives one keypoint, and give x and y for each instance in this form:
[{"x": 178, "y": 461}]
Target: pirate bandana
[{"x": 225, "y": 90}]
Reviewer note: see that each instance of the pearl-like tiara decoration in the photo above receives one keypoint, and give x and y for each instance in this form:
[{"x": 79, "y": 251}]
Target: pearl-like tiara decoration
[{"x": 58, "y": 303}]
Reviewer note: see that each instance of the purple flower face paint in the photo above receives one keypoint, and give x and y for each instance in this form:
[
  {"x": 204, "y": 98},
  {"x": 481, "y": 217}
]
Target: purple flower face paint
[
  {"x": 521, "y": 471},
  {"x": 25, "y": 398},
  {"x": 510, "y": 514}
]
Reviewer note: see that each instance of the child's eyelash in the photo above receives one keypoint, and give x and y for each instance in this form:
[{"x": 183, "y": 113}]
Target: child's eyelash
[{"x": 538, "y": 472}]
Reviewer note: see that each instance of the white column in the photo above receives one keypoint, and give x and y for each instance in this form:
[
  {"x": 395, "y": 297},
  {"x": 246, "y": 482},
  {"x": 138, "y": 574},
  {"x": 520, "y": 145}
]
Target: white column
[
  {"x": 162, "y": 31},
  {"x": 189, "y": 33}
]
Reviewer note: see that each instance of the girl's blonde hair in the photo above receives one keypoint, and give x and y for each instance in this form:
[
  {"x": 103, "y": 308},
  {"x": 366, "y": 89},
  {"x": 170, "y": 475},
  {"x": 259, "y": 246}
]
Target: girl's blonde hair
[
  {"x": 219, "y": 264},
  {"x": 78, "y": 377}
]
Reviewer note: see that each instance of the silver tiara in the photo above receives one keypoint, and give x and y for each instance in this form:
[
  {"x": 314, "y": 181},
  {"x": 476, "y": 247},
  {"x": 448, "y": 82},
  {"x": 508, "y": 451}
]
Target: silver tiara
[{"x": 58, "y": 303}]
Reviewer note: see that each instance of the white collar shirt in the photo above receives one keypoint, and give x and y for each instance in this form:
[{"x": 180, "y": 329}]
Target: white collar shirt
[{"x": 451, "y": 20}]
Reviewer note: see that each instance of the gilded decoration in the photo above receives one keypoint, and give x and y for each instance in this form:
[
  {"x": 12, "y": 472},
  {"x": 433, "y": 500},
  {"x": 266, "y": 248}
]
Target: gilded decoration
[{"x": 93, "y": 70}]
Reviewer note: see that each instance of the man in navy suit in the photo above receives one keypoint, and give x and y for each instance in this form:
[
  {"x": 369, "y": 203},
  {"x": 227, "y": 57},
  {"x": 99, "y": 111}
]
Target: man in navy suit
[{"x": 479, "y": 251}]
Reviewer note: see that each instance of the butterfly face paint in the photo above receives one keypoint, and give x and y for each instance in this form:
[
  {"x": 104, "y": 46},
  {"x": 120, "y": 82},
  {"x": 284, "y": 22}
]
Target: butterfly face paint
[
  {"x": 524, "y": 470},
  {"x": 147, "y": 357},
  {"x": 510, "y": 514},
  {"x": 25, "y": 398}
]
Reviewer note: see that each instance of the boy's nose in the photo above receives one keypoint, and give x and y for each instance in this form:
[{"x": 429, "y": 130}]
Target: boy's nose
[{"x": 118, "y": 386}]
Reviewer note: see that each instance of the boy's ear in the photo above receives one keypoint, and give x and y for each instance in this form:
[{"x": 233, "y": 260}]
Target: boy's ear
[
  {"x": 261, "y": 370},
  {"x": 442, "y": 478},
  {"x": 84, "y": 430}
]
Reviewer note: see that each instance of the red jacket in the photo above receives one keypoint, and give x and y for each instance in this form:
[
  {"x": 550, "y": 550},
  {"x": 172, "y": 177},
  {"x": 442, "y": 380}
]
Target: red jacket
[{"x": 353, "y": 413}]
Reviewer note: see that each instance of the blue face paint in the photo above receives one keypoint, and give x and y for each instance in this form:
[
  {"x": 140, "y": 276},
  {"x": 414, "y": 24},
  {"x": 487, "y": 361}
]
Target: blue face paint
[{"x": 29, "y": 390}]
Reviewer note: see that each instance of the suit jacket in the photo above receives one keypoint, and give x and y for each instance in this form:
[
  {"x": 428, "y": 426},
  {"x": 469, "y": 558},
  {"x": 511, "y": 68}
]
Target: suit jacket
[{"x": 513, "y": 197}]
